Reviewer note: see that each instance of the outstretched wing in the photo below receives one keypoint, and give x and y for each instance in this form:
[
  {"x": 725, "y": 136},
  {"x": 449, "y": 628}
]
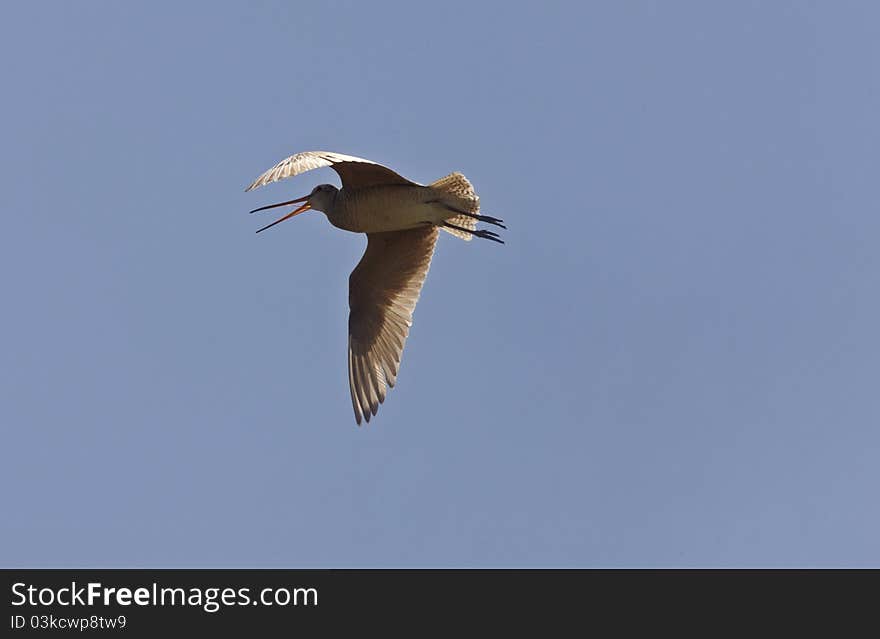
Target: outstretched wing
[
  {"x": 355, "y": 172},
  {"x": 382, "y": 293}
]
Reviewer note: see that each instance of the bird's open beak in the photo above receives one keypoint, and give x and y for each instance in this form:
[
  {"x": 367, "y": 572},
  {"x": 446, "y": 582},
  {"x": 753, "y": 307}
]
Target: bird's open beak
[{"x": 304, "y": 207}]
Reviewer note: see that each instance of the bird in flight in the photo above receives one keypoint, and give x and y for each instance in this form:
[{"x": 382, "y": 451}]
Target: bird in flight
[{"x": 401, "y": 219}]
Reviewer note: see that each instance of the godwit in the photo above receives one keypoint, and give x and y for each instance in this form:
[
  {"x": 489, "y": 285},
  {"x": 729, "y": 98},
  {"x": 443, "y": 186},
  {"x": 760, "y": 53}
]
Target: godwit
[{"x": 400, "y": 218}]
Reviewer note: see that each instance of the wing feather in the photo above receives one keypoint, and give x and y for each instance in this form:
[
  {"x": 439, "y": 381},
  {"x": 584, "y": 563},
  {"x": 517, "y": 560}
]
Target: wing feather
[
  {"x": 355, "y": 172},
  {"x": 383, "y": 291}
]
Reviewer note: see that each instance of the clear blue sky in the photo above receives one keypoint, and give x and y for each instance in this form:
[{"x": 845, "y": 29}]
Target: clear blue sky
[{"x": 673, "y": 361}]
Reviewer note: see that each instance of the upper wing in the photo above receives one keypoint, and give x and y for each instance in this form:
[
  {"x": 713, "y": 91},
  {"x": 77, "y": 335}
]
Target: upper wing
[
  {"x": 355, "y": 172},
  {"x": 382, "y": 293}
]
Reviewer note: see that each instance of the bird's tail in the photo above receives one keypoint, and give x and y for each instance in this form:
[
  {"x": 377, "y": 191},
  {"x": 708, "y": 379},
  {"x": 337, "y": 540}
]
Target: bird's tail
[{"x": 460, "y": 194}]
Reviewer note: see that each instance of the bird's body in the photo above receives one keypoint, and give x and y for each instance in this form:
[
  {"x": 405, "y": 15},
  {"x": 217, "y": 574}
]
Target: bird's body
[
  {"x": 400, "y": 218},
  {"x": 380, "y": 209}
]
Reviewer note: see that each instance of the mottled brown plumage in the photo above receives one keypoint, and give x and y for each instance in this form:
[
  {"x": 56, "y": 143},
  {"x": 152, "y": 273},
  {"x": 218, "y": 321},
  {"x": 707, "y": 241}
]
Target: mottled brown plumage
[{"x": 400, "y": 218}]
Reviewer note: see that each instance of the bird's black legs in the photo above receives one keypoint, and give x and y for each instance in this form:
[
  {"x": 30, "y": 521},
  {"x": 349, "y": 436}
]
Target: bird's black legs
[
  {"x": 488, "y": 219},
  {"x": 482, "y": 233}
]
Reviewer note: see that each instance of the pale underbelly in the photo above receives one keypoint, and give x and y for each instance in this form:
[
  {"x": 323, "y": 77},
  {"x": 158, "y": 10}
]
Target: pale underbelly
[{"x": 379, "y": 214}]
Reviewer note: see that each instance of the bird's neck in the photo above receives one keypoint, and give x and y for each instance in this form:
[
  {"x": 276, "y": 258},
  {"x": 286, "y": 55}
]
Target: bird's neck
[{"x": 332, "y": 208}]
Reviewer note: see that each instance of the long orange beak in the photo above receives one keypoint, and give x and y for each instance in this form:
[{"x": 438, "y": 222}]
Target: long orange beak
[{"x": 304, "y": 207}]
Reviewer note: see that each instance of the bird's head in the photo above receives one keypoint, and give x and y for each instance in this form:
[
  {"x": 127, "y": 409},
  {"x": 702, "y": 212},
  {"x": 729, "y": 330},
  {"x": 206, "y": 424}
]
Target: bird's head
[{"x": 320, "y": 199}]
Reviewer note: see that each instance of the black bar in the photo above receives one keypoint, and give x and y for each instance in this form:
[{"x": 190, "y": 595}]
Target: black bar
[{"x": 321, "y": 600}]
